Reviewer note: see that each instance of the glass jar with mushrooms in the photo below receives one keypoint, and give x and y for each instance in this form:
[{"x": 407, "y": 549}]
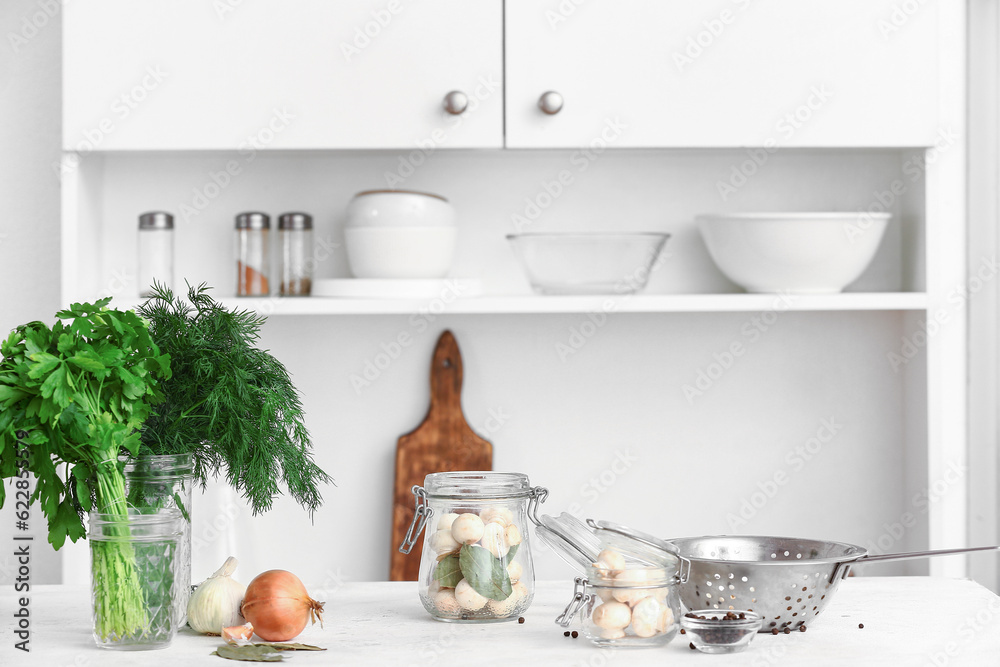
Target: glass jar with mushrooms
[
  {"x": 632, "y": 606},
  {"x": 476, "y": 563},
  {"x": 628, "y": 595}
]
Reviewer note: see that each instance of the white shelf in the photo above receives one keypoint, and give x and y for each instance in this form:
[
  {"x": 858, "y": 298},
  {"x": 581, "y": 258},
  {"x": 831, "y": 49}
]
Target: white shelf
[{"x": 525, "y": 304}]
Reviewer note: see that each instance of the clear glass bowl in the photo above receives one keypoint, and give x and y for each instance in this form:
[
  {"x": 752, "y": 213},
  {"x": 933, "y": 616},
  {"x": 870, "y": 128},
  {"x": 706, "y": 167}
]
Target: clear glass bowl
[
  {"x": 711, "y": 632},
  {"x": 594, "y": 263}
]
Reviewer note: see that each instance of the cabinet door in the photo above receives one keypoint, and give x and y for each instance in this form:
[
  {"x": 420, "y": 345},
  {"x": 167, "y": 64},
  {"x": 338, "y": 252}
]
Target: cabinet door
[
  {"x": 636, "y": 73},
  {"x": 231, "y": 74}
]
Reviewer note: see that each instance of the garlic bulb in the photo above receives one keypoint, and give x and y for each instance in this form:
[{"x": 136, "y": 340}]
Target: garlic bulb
[{"x": 215, "y": 604}]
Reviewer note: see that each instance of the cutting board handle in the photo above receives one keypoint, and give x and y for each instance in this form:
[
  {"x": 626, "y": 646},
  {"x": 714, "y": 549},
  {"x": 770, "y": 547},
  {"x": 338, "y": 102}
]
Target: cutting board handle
[{"x": 446, "y": 376}]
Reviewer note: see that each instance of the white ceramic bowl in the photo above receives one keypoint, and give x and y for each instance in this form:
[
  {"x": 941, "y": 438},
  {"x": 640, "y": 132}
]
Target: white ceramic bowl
[
  {"x": 399, "y": 208},
  {"x": 588, "y": 263},
  {"x": 804, "y": 253},
  {"x": 400, "y": 252}
]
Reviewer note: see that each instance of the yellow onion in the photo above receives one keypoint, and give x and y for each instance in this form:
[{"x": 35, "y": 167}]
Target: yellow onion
[{"x": 278, "y": 606}]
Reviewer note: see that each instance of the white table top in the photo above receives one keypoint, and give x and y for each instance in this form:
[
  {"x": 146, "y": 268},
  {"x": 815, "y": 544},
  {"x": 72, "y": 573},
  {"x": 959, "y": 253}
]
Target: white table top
[{"x": 908, "y": 621}]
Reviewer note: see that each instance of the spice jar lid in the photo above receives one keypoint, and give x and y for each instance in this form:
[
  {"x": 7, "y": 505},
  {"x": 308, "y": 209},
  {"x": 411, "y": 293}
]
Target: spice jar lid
[
  {"x": 295, "y": 221},
  {"x": 253, "y": 220},
  {"x": 156, "y": 220},
  {"x": 579, "y": 544}
]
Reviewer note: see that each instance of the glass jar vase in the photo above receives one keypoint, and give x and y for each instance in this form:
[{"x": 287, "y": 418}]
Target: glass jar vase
[
  {"x": 166, "y": 482},
  {"x": 476, "y": 563},
  {"x": 134, "y": 583}
]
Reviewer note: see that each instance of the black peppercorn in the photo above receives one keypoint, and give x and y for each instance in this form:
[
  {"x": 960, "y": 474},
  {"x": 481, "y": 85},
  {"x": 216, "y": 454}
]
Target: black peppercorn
[
  {"x": 566, "y": 634},
  {"x": 520, "y": 619},
  {"x": 574, "y": 634},
  {"x": 691, "y": 646},
  {"x": 861, "y": 626},
  {"x": 683, "y": 631}
]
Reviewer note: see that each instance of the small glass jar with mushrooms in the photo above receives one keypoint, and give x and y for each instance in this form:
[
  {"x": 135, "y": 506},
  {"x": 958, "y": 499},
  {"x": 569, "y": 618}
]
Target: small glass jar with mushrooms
[
  {"x": 476, "y": 562},
  {"x": 628, "y": 596}
]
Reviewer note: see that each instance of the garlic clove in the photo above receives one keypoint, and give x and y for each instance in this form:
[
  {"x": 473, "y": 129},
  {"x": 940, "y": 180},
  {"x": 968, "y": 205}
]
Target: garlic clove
[
  {"x": 468, "y": 529},
  {"x": 468, "y": 598},
  {"x": 237, "y": 633}
]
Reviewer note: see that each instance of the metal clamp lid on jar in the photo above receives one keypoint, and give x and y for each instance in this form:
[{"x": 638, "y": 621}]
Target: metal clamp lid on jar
[
  {"x": 423, "y": 511},
  {"x": 253, "y": 220}
]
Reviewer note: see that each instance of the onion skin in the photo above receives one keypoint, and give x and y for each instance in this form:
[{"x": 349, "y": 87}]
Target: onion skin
[{"x": 278, "y": 606}]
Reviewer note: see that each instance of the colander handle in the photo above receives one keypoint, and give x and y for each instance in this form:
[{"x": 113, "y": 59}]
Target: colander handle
[{"x": 844, "y": 568}]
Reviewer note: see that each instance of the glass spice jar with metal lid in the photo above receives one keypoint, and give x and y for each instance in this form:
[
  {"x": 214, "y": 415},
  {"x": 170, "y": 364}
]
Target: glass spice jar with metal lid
[
  {"x": 628, "y": 595},
  {"x": 476, "y": 563},
  {"x": 156, "y": 251},
  {"x": 295, "y": 231},
  {"x": 253, "y": 254}
]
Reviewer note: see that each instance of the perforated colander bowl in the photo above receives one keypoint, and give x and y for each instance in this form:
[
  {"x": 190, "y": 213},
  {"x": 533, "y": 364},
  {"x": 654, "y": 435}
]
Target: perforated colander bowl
[{"x": 787, "y": 580}]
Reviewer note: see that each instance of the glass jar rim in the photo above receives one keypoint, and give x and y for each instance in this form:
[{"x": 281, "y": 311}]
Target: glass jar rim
[
  {"x": 477, "y": 485},
  {"x": 158, "y": 465},
  {"x": 654, "y": 577},
  {"x": 144, "y": 524}
]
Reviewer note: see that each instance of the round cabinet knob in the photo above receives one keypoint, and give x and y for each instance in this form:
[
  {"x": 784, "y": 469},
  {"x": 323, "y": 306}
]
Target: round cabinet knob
[
  {"x": 550, "y": 102},
  {"x": 456, "y": 102}
]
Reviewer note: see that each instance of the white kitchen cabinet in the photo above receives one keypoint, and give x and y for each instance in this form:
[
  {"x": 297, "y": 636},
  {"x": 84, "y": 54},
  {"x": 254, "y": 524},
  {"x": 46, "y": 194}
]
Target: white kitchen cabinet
[
  {"x": 295, "y": 74},
  {"x": 640, "y": 73},
  {"x": 909, "y": 418}
]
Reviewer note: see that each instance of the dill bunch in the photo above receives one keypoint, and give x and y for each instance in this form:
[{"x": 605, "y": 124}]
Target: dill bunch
[{"x": 228, "y": 403}]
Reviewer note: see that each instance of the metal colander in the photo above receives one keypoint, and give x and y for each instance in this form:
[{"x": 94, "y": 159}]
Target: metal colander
[{"x": 788, "y": 581}]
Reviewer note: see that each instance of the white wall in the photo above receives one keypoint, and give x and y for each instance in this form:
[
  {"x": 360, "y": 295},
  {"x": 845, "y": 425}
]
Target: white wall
[{"x": 29, "y": 192}]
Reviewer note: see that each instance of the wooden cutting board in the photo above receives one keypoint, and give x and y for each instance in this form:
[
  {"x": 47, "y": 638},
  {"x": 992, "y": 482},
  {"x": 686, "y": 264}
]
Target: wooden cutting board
[{"x": 443, "y": 442}]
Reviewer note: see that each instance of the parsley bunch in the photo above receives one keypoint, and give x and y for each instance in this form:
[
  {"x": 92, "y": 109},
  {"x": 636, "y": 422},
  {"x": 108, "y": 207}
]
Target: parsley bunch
[
  {"x": 73, "y": 397},
  {"x": 230, "y": 404}
]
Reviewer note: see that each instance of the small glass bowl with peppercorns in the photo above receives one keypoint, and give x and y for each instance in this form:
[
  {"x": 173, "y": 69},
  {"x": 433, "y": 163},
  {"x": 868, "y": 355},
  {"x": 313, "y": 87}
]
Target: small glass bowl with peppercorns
[{"x": 721, "y": 631}]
